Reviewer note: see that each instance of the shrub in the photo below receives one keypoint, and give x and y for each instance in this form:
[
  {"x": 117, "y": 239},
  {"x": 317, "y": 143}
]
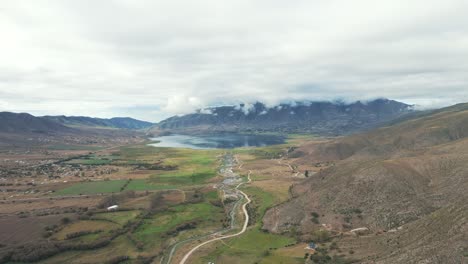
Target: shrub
[
  {"x": 321, "y": 236},
  {"x": 333, "y": 245},
  {"x": 118, "y": 259},
  {"x": 81, "y": 233}
]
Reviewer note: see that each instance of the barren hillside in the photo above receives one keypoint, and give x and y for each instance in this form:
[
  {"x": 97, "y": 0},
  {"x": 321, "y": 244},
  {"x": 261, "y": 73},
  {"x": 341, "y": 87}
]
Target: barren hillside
[{"x": 409, "y": 177}]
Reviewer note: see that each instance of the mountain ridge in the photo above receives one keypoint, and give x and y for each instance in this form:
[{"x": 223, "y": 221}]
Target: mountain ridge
[
  {"x": 26, "y": 123},
  {"x": 115, "y": 122},
  {"x": 323, "y": 118}
]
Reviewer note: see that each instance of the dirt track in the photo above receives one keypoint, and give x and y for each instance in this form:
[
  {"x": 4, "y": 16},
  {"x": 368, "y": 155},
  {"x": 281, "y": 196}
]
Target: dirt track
[{"x": 244, "y": 227}]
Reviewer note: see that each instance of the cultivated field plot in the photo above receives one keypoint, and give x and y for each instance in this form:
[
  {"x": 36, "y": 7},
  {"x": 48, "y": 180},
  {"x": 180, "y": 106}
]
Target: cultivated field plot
[{"x": 93, "y": 187}]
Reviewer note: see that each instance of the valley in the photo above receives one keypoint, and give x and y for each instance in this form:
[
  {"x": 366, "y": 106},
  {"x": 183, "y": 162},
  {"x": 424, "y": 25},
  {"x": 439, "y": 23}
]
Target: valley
[
  {"x": 395, "y": 194},
  {"x": 54, "y": 201},
  {"x": 234, "y": 132}
]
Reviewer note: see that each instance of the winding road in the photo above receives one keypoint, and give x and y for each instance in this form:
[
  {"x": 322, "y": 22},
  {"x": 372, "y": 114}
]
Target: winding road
[{"x": 244, "y": 227}]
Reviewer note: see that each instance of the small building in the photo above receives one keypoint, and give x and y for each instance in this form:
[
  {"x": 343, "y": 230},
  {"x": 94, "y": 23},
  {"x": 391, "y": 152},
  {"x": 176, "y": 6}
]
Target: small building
[
  {"x": 113, "y": 208},
  {"x": 312, "y": 245}
]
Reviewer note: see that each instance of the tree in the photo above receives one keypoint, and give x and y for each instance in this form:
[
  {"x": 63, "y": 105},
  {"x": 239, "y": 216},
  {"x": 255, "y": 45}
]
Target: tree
[{"x": 65, "y": 220}]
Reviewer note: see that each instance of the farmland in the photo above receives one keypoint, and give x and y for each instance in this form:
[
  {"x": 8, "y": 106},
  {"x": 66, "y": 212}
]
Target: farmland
[{"x": 165, "y": 196}]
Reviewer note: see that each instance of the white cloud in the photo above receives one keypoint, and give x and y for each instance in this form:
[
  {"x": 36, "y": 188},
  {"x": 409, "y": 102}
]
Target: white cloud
[
  {"x": 102, "y": 57},
  {"x": 182, "y": 104}
]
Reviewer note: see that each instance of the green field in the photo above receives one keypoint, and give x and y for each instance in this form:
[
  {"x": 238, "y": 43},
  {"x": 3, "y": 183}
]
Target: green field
[
  {"x": 254, "y": 245},
  {"x": 93, "y": 187},
  {"x": 119, "y": 217},
  {"x": 147, "y": 185},
  {"x": 184, "y": 177},
  {"x": 154, "y": 231},
  {"x": 191, "y": 167}
]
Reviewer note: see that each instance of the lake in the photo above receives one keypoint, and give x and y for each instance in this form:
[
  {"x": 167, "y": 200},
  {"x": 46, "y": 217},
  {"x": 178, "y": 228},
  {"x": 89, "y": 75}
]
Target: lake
[{"x": 211, "y": 141}]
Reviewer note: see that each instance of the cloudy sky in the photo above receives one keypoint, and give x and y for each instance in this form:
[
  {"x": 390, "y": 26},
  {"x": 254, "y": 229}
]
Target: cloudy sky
[{"x": 153, "y": 59}]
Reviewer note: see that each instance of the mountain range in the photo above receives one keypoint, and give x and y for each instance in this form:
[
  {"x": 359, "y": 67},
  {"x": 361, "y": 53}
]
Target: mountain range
[
  {"x": 115, "y": 122},
  {"x": 27, "y": 123},
  {"x": 323, "y": 118}
]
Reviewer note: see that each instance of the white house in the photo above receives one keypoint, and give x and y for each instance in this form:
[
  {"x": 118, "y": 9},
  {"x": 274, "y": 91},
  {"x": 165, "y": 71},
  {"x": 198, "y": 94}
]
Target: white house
[{"x": 113, "y": 208}]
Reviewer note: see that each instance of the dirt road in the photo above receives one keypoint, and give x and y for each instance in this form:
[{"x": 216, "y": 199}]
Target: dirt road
[{"x": 244, "y": 227}]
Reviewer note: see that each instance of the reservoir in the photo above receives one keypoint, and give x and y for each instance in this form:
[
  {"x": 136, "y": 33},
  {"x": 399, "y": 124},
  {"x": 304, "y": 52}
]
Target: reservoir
[{"x": 222, "y": 140}]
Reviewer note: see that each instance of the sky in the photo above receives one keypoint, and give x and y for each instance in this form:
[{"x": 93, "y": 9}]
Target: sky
[{"x": 154, "y": 59}]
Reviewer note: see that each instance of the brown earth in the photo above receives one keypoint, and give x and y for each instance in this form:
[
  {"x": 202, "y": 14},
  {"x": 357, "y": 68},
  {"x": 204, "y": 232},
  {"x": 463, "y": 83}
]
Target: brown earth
[{"x": 406, "y": 181}]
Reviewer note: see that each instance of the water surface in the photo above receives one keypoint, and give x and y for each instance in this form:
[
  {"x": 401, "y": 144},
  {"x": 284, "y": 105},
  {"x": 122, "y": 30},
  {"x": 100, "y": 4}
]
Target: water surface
[{"x": 211, "y": 141}]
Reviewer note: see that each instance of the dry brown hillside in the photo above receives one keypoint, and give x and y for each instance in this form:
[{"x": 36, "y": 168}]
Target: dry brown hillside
[{"x": 406, "y": 182}]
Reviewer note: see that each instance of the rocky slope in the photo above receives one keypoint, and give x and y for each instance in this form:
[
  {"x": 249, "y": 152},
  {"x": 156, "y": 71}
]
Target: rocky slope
[
  {"x": 324, "y": 118},
  {"x": 408, "y": 178}
]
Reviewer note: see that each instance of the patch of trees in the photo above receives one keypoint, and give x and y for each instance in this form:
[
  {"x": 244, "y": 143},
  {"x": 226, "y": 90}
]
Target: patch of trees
[
  {"x": 42, "y": 249},
  {"x": 82, "y": 233},
  {"x": 270, "y": 154},
  {"x": 324, "y": 164},
  {"x": 186, "y": 226},
  {"x": 226, "y": 222},
  {"x": 115, "y": 199},
  {"x": 321, "y": 236},
  {"x": 321, "y": 256},
  {"x": 193, "y": 197},
  {"x": 217, "y": 203},
  {"x": 32, "y": 252},
  {"x": 349, "y": 212},
  {"x": 296, "y": 154},
  {"x": 138, "y": 244},
  {"x": 144, "y": 260},
  {"x": 156, "y": 166},
  {"x": 315, "y": 217},
  {"x": 117, "y": 260},
  {"x": 125, "y": 185}
]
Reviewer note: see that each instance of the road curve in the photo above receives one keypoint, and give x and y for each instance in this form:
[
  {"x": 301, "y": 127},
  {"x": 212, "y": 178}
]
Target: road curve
[{"x": 244, "y": 227}]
